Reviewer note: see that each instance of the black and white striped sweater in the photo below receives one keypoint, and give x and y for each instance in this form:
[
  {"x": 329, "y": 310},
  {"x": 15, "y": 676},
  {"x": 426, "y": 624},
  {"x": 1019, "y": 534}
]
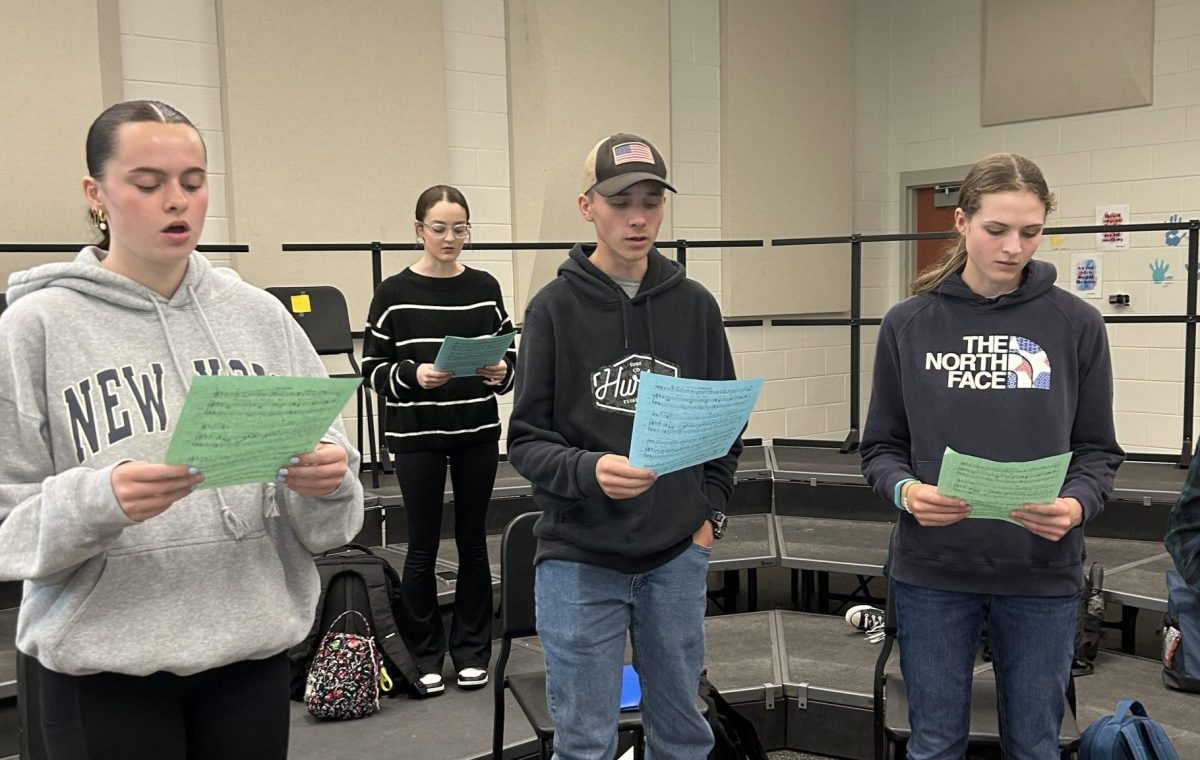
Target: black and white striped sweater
[{"x": 410, "y": 315}]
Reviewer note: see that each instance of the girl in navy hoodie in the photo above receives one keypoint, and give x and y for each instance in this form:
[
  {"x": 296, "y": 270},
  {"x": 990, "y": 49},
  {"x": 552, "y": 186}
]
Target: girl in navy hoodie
[{"x": 989, "y": 358}]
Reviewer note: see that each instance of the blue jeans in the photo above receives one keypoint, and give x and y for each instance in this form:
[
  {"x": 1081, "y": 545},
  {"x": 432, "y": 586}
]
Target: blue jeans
[
  {"x": 583, "y": 613},
  {"x": 1032, "y": 639}
]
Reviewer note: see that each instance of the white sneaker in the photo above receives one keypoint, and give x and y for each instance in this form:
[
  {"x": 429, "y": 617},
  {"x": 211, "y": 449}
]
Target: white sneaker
[
  {"x": 472, "y": 678},
  {"x": 429, "y": 685},
  {"x": 867, "y": 619}
]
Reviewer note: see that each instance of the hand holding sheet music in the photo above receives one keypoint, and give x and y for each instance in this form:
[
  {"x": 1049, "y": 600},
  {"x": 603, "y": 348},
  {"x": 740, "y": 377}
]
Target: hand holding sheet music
[
  {"x": 243, "y": 429},
  {"x": 994, "y": 489},
  {"x": 681, "y": 422},
  {"x": 463, "y": 356}
]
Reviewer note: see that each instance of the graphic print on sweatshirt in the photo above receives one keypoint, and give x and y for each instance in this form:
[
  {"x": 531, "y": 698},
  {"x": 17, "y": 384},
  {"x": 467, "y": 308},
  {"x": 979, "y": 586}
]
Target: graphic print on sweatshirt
[
  {"x": 615, "y": 386},
  {"x": 990, "y": 362},
  {"x": 103, "y": 406}
]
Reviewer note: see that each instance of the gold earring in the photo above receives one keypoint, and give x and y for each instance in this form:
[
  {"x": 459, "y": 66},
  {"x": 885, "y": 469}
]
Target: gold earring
[{"x": 100, "y": 219}]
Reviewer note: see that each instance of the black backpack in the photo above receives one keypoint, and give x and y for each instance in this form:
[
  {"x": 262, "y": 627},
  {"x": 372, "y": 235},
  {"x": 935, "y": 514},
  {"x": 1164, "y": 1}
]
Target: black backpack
[
  {"x": 734, "y": 736},
  {"x": 355, "y": 578}
]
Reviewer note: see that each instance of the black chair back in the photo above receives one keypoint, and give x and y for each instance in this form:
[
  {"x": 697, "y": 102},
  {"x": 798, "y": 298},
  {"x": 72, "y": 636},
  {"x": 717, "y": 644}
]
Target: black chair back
[
  {"x": 322, "y": 311},
  {"x": 518, "y": 615}
]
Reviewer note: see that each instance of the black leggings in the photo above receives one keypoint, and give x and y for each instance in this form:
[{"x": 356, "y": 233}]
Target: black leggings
[
  {"x": 422, "y": 476},
  {"x": 235, "y": 712}
]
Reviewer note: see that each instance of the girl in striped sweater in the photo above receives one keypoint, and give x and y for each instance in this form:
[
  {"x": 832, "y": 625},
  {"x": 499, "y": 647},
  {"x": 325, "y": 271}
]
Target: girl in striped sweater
[{"x": 435, "y": 419}]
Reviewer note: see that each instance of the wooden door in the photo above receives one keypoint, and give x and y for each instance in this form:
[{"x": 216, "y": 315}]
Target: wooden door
[{"x": 931, "y": 218}]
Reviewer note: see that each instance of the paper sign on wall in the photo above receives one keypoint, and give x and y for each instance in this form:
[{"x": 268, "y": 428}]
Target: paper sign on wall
[
  {"x": 1112, "y": 215},
  {"x": 1087, "y": 278}
]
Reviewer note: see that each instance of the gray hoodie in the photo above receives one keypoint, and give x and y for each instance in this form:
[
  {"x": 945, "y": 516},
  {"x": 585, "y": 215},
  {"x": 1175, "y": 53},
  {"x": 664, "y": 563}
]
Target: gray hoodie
[{"x": 94, "y": 369}]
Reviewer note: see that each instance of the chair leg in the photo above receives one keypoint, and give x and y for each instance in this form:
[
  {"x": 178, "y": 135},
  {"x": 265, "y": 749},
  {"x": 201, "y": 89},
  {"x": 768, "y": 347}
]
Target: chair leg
[{"x": 498, "y": 700}]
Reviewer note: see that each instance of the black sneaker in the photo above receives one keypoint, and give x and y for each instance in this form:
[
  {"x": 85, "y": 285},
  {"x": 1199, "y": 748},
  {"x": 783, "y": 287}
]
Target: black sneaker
[
  {"x": 867, "y": 619},
  {"x": 472, "y": 678},
  {"x": 429, "y": 685}
]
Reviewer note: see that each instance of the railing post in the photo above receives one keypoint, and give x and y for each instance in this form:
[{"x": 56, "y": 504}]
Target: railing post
[
  {"x": 1189, "y": 356},
  {"x": 852, "y": 437},
  {"x": 376, "y": 264}
]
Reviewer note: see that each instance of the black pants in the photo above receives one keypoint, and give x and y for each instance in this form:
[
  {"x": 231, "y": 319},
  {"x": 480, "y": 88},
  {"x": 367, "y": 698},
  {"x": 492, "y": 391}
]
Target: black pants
[
  {"x": 235, "y": 712},
  {"x": 422, "y": 476}
]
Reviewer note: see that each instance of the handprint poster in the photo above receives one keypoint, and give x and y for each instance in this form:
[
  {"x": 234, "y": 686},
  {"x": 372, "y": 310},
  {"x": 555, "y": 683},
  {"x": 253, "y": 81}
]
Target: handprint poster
[
  {"x": 1112, "y": 215},
  {"x": 1087, "y": 278}
]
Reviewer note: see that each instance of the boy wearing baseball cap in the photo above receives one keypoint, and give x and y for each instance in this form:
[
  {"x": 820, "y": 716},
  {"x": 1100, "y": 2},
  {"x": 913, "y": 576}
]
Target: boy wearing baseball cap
[{"x": 620, "y": 549}]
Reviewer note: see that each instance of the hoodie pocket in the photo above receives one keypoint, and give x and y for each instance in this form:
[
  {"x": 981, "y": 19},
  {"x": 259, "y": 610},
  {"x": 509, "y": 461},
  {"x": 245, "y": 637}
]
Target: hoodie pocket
[{"x": 180, "y": 608}]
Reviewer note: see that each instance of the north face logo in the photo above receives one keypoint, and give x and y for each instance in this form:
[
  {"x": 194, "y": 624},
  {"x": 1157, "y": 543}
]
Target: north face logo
[
  {"x": 994, "y": 361},
  {"x": 615, "y": 387}
]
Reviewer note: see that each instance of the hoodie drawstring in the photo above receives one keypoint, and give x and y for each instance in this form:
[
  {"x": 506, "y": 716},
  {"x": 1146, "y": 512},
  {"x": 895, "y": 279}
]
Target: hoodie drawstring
[
  {"x": 208, "y": 328},
  {"x": 162, "y": 322},
  {"x": 235, "y": 524},
  {"x": 650, "y": 329},
  {"x": 625, "y": 302}
]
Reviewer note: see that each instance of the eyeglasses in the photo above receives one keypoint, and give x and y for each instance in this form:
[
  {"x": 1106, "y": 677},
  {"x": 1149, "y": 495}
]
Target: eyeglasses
[{"x": 460, "y": 231}]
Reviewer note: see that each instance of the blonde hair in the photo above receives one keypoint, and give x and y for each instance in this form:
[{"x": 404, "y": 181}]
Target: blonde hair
[
  {"x": 997, "y": 173},
  {"x": 589, "y": 169}
]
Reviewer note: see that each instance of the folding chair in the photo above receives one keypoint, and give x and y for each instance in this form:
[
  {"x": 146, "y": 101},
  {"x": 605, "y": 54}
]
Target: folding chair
[
  {"x": 322, "y": 312},
  {"x": 890, "y": 705},
  {"x": 518, "y": 620}
]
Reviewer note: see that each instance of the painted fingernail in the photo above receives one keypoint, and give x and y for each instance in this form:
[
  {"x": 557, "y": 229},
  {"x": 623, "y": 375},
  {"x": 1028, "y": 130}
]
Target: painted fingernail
[
  {"x": 280, "y": 478},
  {"x": 294, "y": 460},
  {"x": 283, "y": 471},
  {"x": 193, "y": 471}
]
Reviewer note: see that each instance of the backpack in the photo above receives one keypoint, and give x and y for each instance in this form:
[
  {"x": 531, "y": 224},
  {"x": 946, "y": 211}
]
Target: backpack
[
  {"x": 1127, "y": 734},
  {"x": 733, "y": 733},
  {"x": 1090, "y": 625},
  {"x": 1181, "y": 636},
  {"x": 355, "y": 578},
  {"x": 345, "y": 675}
]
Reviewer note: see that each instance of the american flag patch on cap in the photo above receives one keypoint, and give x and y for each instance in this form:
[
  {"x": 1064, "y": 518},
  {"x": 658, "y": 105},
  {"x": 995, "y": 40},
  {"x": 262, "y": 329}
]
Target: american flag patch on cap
[{"x": 632, "y": 151}]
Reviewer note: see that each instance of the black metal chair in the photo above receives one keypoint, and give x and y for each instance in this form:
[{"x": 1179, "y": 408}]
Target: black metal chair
[
  {"x": 890, "y": 706},
  {"x": 518, "y": 620},
  {"x": 322, "y": 312}
]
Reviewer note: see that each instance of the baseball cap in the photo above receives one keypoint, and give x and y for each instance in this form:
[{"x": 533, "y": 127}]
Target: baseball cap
[{"x": 621, "y": 161}]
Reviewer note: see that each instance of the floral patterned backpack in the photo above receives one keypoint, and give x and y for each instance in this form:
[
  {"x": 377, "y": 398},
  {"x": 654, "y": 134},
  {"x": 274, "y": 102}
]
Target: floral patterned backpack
[{"x": 344, "y": 677}]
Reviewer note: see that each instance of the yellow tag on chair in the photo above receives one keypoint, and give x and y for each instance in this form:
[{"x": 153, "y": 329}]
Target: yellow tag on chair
[{"x": 301, "y": 304}]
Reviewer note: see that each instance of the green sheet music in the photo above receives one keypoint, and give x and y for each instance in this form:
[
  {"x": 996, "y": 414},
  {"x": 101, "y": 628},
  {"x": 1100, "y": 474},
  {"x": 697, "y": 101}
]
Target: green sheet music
[
  {"x": 993, "y": 489},
  {"x": 243, "y": 429}
]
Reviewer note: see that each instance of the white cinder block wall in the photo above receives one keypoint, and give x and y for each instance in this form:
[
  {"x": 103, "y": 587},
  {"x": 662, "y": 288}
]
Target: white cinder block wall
[
  {"x": 917, "y": 81},
  {"x": 806, "y": 393},
  {"x": 477, "y": 125},
  {"x": 169, "y": 53}
]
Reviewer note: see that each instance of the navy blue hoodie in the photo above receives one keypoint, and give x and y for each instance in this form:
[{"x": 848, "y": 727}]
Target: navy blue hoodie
[
  {"x": 1018, "y": 377},
  {"x": 583, "y": 345}
]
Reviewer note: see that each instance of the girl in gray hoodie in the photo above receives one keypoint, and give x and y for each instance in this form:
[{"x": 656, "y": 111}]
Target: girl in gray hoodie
[{"x": 156, "y": 617}]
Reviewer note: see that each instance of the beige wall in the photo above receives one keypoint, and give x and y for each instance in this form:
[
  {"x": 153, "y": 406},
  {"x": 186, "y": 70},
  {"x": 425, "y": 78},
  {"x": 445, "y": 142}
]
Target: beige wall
[
  {"x": 787, "y": 135},
  {"x": 578, "y": 71},
  {"x": 54, "y": 70},
  {"x": 335, "y": 120},
  {"x": 1102, "y": 58}
]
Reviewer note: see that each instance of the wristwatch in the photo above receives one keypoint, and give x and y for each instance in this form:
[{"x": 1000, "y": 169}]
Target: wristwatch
[{"x": 719, "y": 522}]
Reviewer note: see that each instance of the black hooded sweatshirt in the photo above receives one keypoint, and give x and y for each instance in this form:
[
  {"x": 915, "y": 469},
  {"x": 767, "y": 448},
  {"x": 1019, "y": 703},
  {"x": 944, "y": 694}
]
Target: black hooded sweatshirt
[
  {"x": 1013, "y": 378},
  {"x": 583, "y": 345}
]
